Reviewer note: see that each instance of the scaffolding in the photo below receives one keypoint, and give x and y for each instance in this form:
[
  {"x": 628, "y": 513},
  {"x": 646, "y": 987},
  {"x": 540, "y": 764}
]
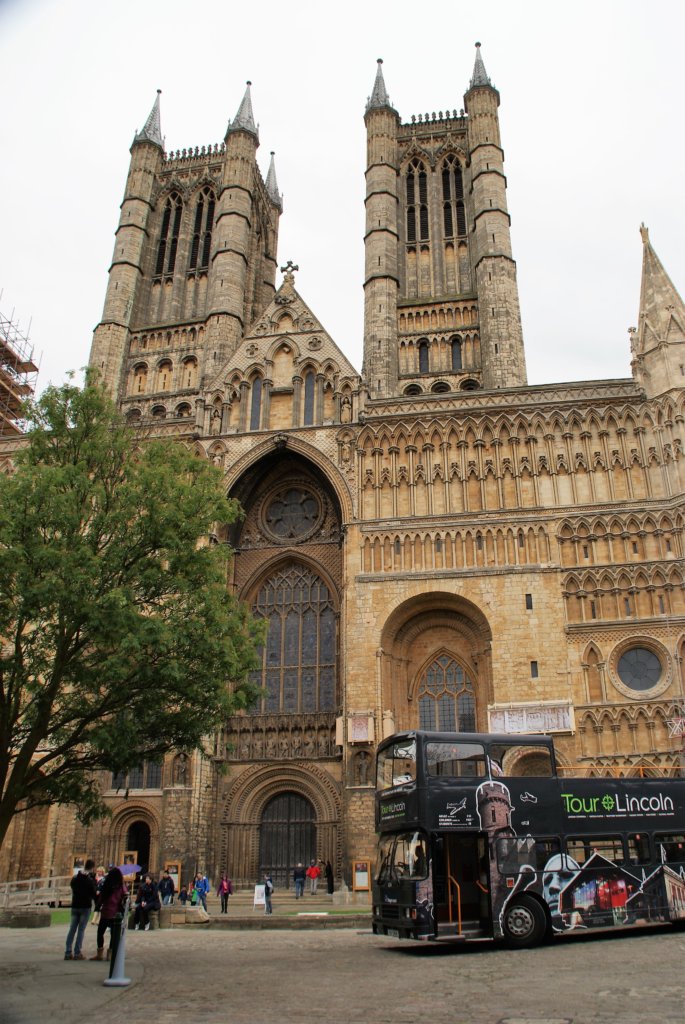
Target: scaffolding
[{"x": 17, "y": 375}]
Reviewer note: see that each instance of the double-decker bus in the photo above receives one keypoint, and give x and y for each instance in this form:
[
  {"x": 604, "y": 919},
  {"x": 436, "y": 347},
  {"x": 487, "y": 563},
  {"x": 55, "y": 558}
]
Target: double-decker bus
[{"x": 470, "y": 848}]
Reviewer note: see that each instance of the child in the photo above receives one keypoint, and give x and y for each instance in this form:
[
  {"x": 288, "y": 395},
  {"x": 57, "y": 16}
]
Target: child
[{"x": 183, "y": 895}]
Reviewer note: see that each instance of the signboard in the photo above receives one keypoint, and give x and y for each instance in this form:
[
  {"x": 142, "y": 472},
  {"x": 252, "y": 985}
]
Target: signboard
[
  {"x": 361, "y": 876},
  {"x": 259, "y": 900},
  {"x": 174, "y": 869},
  {"x": 531, "y": 718}
]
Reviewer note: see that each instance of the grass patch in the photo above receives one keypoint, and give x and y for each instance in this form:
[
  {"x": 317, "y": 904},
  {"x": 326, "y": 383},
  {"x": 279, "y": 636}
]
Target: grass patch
[{"x": 61, "y": 916}]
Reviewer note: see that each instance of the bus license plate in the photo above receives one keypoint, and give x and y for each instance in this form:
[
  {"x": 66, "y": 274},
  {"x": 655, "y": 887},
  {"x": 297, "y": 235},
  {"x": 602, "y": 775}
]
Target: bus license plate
[{"x": 393, "y": 933}]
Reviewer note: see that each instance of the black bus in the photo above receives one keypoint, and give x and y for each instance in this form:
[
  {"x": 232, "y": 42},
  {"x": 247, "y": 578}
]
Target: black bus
[{"x": 471, "y": 848}]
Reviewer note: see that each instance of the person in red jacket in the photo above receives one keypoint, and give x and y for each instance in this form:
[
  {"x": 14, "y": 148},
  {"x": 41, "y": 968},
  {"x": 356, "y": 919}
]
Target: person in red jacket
[{"x": 313, "y": 874}]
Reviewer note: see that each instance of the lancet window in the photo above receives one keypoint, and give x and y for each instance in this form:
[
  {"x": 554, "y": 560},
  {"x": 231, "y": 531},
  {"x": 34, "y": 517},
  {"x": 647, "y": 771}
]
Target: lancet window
[
  {"x": 168, "y": 237},
  {"x": 416, "y": 191},
  {"x": 202, "y": 230},
  {"x": 453, "y": 197}
]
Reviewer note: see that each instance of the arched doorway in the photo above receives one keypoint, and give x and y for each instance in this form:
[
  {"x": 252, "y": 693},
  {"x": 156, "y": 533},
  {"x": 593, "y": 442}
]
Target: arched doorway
[
  {"x": 287, "y": 836},
  {"x": 138, "y": 839}
]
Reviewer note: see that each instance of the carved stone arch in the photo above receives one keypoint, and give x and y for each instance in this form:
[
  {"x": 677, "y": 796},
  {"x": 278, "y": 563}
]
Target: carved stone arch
[
  {"x": 419, "y": 627},
  {"x": 246, "y": 798},
  {"x": 125, "y": 814},
  {"x": 274, "y": 447},
  {"x": 283, "y": 341},
  {"x": 415, "y": 152},
  {"x": 528, "y": 758}
]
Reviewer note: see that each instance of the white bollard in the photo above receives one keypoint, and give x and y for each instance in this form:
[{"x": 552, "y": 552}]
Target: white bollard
[{"x": 118, "y": 978}]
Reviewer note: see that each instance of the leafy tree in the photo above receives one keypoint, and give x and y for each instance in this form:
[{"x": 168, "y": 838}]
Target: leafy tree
[{"x": 119, "y": 639}]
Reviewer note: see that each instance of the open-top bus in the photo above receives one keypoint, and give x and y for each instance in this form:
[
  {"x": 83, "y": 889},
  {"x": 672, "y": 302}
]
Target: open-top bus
[{"x": 471, "y": 848}]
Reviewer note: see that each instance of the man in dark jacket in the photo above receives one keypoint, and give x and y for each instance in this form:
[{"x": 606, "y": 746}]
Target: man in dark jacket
[
  {"x": 166, "y": 888},
  {"x": 83, "y": 892}
]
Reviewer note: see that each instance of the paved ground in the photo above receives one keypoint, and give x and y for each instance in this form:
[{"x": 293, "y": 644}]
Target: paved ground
[{"x": 344, "y": 977}]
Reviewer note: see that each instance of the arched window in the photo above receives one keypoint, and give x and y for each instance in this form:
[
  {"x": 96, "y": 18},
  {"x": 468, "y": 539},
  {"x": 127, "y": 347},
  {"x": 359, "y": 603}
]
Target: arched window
[
  {"x": 189, "y": 373},
  {"x": 164, "y": 375},
  {"x": 455, "y": 344},
  {"x": 168, "y": 237},
  {"x": 299, "y": 658},
  {"x": 446, "y": 697},
  {"x": 140, "y": 379},
  {"x": 202, "y": 230},
  {"x": 183, "y": 410},
  {"x": 256, "y": 407},
  {"x": 424, "y": 364},
  {"x": 309, "y": 382}
]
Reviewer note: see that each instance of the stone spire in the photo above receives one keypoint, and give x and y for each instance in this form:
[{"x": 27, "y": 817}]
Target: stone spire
[
  {"x": 658, "y": 343},
  {"x": 480, "y": 76},
  {"x": 379, "y": 97},
  {"x": 272, "y": 185},
  {"x": 152, "y": 130},
  {"x": 244, "y": 119}
]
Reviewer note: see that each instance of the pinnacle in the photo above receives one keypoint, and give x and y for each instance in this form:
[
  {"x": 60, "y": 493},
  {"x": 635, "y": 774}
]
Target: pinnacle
[
  {"x": 272, "y": 185},
  {"x": 152, "y": 129},
  {"x": 480, "y": 75},
  {"x": 379, "y": 97},
  {"x": 244, "y": 119}
]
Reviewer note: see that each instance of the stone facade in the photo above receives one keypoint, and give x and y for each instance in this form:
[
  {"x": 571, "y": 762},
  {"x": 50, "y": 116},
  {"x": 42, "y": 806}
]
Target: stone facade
[{"x": 432, "y": 541}]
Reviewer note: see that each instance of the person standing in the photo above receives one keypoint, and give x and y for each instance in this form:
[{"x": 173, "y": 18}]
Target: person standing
[
  {"x": 313, "y": 874},
  {"x": 268, "y": 893},
  {"x": 224, "y": 890},
  {"x": 202, "y": 889},
  {"x": 299, "y": 876},
  {"x": 166, "y": 889},
  {"x": 113, "y": 896},
  {"x": 83, "y": 892},
  {"x": 329, "y": 878}
]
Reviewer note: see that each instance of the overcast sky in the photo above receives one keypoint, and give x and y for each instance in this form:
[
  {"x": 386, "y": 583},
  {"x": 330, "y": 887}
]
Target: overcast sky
[{"x": 592, "y": 128}]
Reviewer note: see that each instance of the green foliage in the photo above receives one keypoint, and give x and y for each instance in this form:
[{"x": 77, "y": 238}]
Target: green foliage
[{"x": 120, "y": 639}]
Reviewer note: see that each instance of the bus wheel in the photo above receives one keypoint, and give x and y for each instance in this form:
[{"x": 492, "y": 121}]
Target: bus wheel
[{"x": 524, "y": 922}]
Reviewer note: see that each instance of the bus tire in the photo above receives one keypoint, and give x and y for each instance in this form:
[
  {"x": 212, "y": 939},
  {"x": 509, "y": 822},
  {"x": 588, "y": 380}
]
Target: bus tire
[{"x": 523, "y": 923}]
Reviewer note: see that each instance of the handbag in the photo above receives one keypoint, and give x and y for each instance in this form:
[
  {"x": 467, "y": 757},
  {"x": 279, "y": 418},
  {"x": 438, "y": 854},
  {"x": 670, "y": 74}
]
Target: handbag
[{"x": 95, "y": 919}]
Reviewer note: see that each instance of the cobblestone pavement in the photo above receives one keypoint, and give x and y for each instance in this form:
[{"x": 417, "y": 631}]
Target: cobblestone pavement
[{"x": 344, "y": 977}]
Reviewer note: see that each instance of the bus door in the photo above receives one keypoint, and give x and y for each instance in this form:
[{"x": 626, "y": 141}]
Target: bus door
[{"x": 462, "y": 883}]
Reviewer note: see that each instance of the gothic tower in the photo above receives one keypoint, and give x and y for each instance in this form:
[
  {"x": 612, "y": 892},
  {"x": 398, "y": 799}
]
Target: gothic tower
[
  {"x": 194, "y": 264},
  {"x": 441, "y": 299}
]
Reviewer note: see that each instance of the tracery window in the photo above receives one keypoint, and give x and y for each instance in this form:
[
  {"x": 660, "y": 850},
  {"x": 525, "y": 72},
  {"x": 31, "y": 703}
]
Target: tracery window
[
  {"x": 168, "y": 237},
  {"x": 299, "y": 658},
  {"x": 446, "y": 697}
]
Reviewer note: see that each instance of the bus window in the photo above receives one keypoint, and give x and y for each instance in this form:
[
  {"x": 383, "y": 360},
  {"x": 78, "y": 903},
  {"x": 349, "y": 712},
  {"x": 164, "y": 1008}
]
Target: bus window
[
  {"x": 638, "y": 849},
  {"x": 518, "y": 761},
  {"x": 396, "y": 765},
  {"x": 455, "y": 760},
  {"x": 525, "y": 854},
  {"x": 402, "y": 856},
  {"x": 671, "y": 848},
  {"x": 582, "y": 848}
]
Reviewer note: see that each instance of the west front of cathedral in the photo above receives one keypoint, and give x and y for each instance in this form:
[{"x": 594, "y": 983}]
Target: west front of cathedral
[{"x": 432, "y": 542}]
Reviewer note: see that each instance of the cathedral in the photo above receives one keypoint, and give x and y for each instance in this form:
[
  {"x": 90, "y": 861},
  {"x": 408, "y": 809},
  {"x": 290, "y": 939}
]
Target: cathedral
[{"x": 433, "y": 542}]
